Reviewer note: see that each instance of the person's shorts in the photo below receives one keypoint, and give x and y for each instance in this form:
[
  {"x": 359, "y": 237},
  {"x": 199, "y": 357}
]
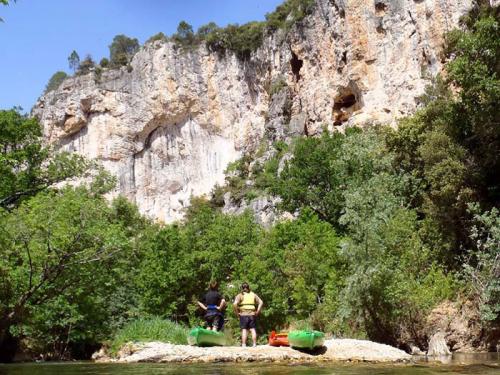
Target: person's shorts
[
  {"x": 247, "y": 321},
  {"x": 214, "y": 320}
]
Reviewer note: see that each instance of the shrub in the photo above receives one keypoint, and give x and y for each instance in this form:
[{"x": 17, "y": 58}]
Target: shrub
[
  {"x": 149, "y": 329},
  {"x": 482, "y": 263},
  {"x": 86, "y": 65},
  {"x": 158, "y": 36},
  {"x": 55, "y": 81},
  {"x": 244, "y": 39},
  {"x": 277, "y": 85},
  {"x": 97, "y": 74},
  {"x": 288, "y": 13},
  {"x": 104, "y": 63}
]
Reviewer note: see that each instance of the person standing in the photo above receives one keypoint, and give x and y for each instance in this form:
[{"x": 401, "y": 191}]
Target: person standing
[
  {"x": 247, "y": 305},
  {"x": 213, "y": 304}
]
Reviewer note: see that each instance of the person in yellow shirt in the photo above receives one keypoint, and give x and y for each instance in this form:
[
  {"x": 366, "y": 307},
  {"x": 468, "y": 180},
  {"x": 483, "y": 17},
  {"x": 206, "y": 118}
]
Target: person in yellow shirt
[{"x": 247, "y": 305}]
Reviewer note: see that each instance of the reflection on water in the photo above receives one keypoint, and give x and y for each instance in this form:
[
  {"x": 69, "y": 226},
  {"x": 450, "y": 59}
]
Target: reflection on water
[{"x": 463, "y": 364}]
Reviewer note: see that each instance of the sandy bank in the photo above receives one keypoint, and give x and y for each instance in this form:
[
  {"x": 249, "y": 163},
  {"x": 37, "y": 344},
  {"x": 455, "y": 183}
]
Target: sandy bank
[{"x": 334, "y": 350}]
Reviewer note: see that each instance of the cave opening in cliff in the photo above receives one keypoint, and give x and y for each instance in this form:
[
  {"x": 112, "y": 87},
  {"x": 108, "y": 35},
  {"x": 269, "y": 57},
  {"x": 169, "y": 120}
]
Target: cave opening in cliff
[
  {"x": 344, "y": 105},
  {"x": 380, "y": 7},
  {"x": 296, "y": 65}
]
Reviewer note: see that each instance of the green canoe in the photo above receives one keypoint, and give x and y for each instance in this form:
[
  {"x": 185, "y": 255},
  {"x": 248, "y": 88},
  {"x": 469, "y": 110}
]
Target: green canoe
[
  {"x": 205, "y": 337},
  {"x": 306, "y": 339}
]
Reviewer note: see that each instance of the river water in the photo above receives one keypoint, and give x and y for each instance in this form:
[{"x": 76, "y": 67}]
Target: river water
[{"x": 463, "y": 364}]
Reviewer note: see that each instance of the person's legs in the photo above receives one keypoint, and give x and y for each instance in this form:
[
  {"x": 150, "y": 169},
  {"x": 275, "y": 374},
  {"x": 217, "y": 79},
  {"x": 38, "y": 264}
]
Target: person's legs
[
  {"x": 209, "y": 322},
  {"x": 254, "y": 336},
  {"x": 244, "y": 335},
  {"x": 217, "y": 323},
  {"x": 252, "y": 325}
]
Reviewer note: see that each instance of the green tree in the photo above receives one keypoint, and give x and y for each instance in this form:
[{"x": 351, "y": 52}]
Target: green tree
[
  {"x": 74, "y": 61},
  {"x": 61, "y": 265},
  {"x": 184, "y": 35},
  {"x": 244, "y": 39},
  {"x": 297, "y": 271},
  {"x": 323, "y": 168},
  {"x": 209, "y": 246},
  {"x": 55, "y": 81},
  {"x": 451, "y": 146},
  {"x": 86, "y": 65},
  {"x": 122, "y": 49},
  {"x": 26, "y": 166}
]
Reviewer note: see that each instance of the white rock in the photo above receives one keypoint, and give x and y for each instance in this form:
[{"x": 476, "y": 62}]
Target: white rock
[
  {"x": 168, "y": 128},
  {"x": 437, "y": 346}
]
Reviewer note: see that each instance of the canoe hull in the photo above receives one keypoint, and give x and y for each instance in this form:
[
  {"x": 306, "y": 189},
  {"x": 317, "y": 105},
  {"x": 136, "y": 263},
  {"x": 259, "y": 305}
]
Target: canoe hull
[
  {"x": 278, "y": 339},
  {"x": 205, "y": 337},
  {"x": 306, "y": 339}
]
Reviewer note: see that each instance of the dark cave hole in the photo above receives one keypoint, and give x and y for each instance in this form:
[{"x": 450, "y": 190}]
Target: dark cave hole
[
  {"x": 345, "y": 102},
  {"x": 344, "y": 106},
  {"x": 296, "y": 65},
  {"x": 380, "y": 7}
]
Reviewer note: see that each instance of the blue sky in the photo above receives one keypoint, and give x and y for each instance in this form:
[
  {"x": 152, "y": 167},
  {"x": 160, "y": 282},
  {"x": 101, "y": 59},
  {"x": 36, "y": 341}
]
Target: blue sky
[{"x": 37, "y": 36}]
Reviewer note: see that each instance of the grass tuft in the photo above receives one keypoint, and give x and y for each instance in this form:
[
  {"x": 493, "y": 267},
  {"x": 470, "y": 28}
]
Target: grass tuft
[{"x": 152, "y": 329}]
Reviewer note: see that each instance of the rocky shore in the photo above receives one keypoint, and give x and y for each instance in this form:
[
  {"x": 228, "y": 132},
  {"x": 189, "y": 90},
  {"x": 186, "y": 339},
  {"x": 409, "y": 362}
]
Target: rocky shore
[{"x": 334, "y": 350}]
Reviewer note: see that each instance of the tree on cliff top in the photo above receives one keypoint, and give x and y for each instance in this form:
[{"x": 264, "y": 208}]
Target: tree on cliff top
[
  {"x": 55, "y": 81},
  {"x": 184, "y": 35},
  {"x": 122, "y": 49},
  {"x": 74, "y": 61}
]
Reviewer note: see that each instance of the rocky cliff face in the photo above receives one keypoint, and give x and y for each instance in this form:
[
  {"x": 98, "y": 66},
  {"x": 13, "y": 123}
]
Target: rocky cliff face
[{"x": 168, "y": 128}]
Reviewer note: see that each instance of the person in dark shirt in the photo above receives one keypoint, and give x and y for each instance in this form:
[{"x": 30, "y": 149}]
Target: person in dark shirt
[{"x": 213, "y": 304}]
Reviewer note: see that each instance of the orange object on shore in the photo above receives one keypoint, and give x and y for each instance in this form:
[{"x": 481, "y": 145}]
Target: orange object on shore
[{"x": 278, "y": 339}]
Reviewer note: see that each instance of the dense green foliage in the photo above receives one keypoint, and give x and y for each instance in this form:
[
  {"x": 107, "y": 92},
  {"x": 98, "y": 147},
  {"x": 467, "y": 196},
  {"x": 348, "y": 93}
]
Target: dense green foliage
[
  {"x": 55, "y": 81},
  {"x": 211, "y": 243},
  {"x": 149, "y": 329},
  {"x": 122, "y": 49},
  {"x": 482, "y": 263},
  {"x": 451, "y": 147},
  {"x": 60, "y": 263},
  {"x": 26, "y": 166},
  {"x": 289, "y": 13}
]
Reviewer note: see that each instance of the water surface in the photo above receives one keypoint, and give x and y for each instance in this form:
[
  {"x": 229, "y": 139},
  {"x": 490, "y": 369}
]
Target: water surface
[{"x": 462, "y": 364}]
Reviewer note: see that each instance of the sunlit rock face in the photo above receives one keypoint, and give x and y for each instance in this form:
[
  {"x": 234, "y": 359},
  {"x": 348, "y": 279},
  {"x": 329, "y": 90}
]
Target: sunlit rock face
[{"x": 168, "y": 128}]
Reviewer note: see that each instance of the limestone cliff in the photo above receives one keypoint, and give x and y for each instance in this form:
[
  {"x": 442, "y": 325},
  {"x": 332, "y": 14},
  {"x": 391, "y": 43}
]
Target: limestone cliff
[{"x": 168, "y": 127}]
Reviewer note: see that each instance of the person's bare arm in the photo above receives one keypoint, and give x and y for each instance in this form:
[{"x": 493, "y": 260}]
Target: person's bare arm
[
  {"x": 202, "y": 306},
  {"x": 235, "y": 305},
  {"x": 221, "y": 304},
  {"x": 260, "y": 305}
]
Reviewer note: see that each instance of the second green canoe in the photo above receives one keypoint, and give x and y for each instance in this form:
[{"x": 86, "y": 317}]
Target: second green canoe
[
  {"x": 306, "y": 339},
  {"x": 205, "y": 337}
]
